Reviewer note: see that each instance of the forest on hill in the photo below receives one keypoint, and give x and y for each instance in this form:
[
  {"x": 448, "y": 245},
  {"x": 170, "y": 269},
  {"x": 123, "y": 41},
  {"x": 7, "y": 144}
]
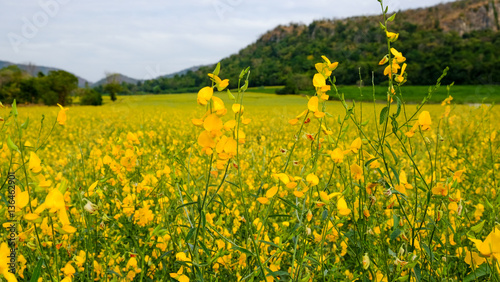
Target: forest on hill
[{"x": 462, "y": 35}]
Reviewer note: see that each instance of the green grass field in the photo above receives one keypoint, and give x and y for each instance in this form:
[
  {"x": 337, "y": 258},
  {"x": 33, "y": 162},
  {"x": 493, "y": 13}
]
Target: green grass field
[{"x": 462, "y": 94}]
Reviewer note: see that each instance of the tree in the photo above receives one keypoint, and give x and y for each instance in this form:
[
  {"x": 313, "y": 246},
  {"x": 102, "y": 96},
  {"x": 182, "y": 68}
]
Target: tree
[
  {"x": 57, "y": 86},
  {"x": 10, "y": 81},
  {"x": 90, "y": 97},
  {"x": 112, "y": 86}
]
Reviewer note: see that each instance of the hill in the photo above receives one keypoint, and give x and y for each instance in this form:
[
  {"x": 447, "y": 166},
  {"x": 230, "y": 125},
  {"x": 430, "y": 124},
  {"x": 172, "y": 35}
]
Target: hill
[
  {"x": 120, "y": 78},
  {"x": 463, "y": 35},
  {"x": 33, "y": 70}
]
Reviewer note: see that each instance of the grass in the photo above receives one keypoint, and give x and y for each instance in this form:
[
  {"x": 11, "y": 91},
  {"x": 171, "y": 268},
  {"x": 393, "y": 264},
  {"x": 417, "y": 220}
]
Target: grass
[{"x": 462, "y": 94}]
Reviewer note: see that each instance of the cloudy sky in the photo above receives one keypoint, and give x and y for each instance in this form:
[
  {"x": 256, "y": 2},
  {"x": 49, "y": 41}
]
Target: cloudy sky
[{"x": 145, "y": 39}]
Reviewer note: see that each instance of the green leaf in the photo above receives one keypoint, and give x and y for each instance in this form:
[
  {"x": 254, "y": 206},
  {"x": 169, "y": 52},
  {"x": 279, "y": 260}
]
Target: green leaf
[
  {"x": 392, "y": 17},
  {"x": 187, "y": 204},
  {"x": 25, "y": 124},
  {"x": 190, "y": 234},
  {"x": 398, "y": 111},
  {"x": 37, "y": 271},
  {"x": 230, "y": 95},
  {"x": 478, "y": 227},
  {"x": 481, "y": 271},
  {"x": 242, "y": 250},
  {"x": 217, "y": 69},
  {"x": 11, "y": 145},
  {"x": 383, "y": 114},
  {"x": 245, "y": 86},
  {"x": 243, "y": 72},
  {"x": 395, "y": 234},
  {"x": 280, "y": 273},
  {"x": 14, "y": 108},
  {"x": 428, "y": 251},
  {"x": 269, "y": 243},
  {"x": 289, "y": 203},
  {"x": 417, "y": 271}
]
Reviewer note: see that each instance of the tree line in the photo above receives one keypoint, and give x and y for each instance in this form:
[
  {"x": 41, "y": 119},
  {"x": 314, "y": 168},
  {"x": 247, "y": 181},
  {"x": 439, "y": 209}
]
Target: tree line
[{"x": 56, "y": 87}]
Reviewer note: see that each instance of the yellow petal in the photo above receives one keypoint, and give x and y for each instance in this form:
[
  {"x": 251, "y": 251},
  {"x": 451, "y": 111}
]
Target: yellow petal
[
  {"x": 312, "y": 105},
  {"x": 237, "y": 108},
  {"x": 298, "y": 194},
  {"x": 31, "y": 216},
  {"x": 324, "y": 197},
  {"x": 263, "y": 200},
  {"x": 272, "y": 191},
  {"x": 34, "y": 163},
  {"x": 61, "y": 116},
  {"x": 319, "y": 80},
  {"x": 218, "y": 103},
  {"x": 54, "y": 200},
  {"x": 205, "y": 140},
  {"x": 212, "y": 122},
  {"x": 22, "y": 199},
  {"x": 312, "y": 179},
  {"x": 342, "y": 207},
  {"x": 69, "y": 229},
  {"x": 204, "y": 95},
  {"x": 197, "y": 122},
  {"x": 424, "y": 119},
  {"x": 319, "y": 114}
]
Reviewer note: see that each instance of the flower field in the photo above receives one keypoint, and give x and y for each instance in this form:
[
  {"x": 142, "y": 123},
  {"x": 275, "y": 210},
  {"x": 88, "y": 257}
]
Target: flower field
[{"x": 227, "y": 186}]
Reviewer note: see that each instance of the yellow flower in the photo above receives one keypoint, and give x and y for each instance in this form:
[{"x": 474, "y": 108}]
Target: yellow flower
[
  {"x": 237, "y": 108},
  {"x": 398, "y": 56},
  {"x": 271, "y": 192},
  {"x": 392, "y": 36},
  {"x": 440, "y": 189},
  {"x": 34, "y": 163},
  {"x": 391, "y": 69},
  {"x": 357, "y": 172},
  {"x": 471, "y": 258},
  {"x": 326, "y": 68},
  {"x": 342, "y": 207},
  {"x": 263, "y": 200},
  {"x": 220, "y": 84},
  {"x": 384, "y": 60},
  {"x": 400, "y": 78},
  {"x": 61, "y": 116},
  {"x": 312, "y": 179},
  {"x": 356, "y": 145},
  {"x": 491, "y": 245},
  {"x": 424, "y": 120},
  {"x": 204, "y": 95},
  {"x": 337, "y": 155},
  {"x": 22, "y": 199},
  {"x": 68, "y": 270},
  {"x": 319, "y": 80},
  {"x": 179, "y": 275},
  {"x": 212, "y": 123},
  {"x": 4, "y": 266}
]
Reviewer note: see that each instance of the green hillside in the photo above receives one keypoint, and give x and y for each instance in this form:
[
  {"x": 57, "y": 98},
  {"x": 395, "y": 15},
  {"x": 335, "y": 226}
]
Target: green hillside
[{"x": 462, "y": 35}]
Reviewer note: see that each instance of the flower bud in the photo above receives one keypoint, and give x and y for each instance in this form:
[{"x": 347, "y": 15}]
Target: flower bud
[
  {"x": 366, "y": 261},
  {"x": 90, "y": 207}
]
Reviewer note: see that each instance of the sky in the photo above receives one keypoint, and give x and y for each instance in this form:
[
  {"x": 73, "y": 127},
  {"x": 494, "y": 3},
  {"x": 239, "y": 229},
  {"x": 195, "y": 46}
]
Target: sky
[{"x": 148, "y": 38}]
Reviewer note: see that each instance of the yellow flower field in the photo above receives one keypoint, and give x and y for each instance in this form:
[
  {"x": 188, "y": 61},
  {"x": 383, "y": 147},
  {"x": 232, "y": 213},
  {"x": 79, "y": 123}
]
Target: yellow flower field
[{"x": 228, "y": 186}]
